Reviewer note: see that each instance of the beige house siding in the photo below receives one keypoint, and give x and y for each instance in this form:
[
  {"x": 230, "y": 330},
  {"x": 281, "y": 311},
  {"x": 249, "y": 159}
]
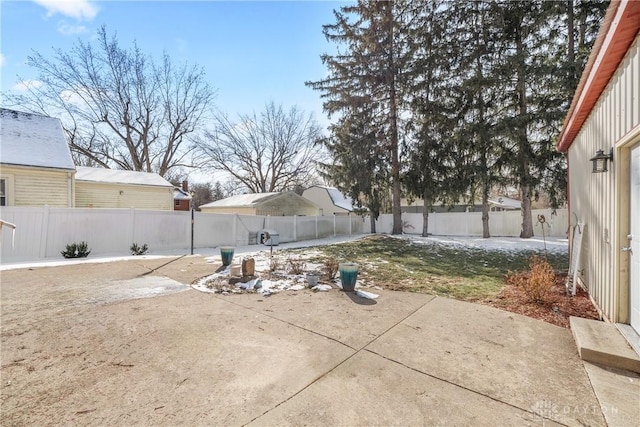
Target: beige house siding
[
  {"x": 614, "y": 123},
  {"x": 287, "y": 204},
  {"x": 321, "y": 197},
  {"x": 35, "y": 186},
  {"x": 240, "y": 210},
  {"x": 105, "y": 195}
]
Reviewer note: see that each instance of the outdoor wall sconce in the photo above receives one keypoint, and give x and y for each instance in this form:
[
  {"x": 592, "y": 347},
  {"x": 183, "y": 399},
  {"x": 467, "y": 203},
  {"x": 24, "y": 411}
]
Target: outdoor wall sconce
[{"x": 599, "y": 161}]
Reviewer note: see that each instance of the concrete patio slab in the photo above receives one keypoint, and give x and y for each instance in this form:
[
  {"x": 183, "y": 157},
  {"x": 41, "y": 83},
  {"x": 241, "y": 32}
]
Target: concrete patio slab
[
  {"x": 517, "y": 360},
  {"x": 618, "y": 392},
  {"x": 370, "y": 390},
  {"x": 167, "y": 360},
  {"x": 76, "y": 349},
  {"x": 342, "y": 316}
]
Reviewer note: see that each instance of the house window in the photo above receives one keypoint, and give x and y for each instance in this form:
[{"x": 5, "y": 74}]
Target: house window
[
  {"x": 3, "y": 192},
  {"x": 177, "y": 202}
]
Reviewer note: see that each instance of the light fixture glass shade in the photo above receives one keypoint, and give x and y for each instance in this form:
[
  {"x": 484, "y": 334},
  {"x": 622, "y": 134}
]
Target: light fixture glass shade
[{"x": 599, "y": 162}]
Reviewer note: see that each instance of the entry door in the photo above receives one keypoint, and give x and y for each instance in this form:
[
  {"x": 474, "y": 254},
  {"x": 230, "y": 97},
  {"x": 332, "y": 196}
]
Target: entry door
[{"x": 634, "y": 273}]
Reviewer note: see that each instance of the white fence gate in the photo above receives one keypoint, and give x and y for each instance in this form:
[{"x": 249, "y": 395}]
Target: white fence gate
[{"x": 42, "y": 232}]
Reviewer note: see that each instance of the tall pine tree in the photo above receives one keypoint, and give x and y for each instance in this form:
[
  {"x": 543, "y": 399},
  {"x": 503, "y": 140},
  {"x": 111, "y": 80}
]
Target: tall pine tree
[{"x": 369, "y": 75}]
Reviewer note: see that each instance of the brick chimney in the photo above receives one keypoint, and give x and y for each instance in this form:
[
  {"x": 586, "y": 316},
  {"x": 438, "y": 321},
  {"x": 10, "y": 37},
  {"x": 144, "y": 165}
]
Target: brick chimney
[{"x": 185, "y": 186}]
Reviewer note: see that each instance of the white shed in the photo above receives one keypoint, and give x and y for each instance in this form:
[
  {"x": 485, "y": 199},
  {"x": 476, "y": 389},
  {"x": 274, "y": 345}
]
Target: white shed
[{"x": 605, "y": 118}]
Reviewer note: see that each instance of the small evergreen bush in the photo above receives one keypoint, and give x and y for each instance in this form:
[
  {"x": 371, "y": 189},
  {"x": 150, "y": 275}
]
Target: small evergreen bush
[
  {"x": 139, "y": 250},
  {"x": 76, "y": 250}
]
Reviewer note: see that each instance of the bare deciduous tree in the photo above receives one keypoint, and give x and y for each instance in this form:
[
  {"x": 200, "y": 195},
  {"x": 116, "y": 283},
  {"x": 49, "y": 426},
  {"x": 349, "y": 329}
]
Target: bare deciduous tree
[
  {"x": 118, "y": 107},
  {"x": 272, "y": 151}
]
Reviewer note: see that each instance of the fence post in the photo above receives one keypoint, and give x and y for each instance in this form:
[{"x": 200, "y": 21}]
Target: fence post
[
  {"x": 132, "y": 226},
  {"x": 334, "y": 225},
  {"x": 235, "y": 230},
  {"x": 44, "y": 231},
  {"x": 192, "y": 226},
  {"x": 295, "y": 228}
]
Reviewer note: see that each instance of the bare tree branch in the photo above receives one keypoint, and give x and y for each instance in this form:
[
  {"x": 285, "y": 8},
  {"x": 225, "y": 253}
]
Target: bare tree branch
[
  {"x": 273, "y": 151},
  {"x": 118, "y": 107}
]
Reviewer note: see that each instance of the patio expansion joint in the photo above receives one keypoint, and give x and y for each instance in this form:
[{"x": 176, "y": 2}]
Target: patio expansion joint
[
  {"x": 270, "y": 316},
  {"x": 356, "y": 352},
  {"x": 462, "y": 387}
]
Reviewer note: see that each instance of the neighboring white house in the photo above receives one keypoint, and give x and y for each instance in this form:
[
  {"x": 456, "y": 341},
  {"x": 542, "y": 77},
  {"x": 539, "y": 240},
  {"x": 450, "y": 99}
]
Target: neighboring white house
[
  {"x": 504, "y": 203},
  {"x": 36, "y": 167},
  {"x": 110, "y": 188},
  {"x": 330, "y": 200},
  {"x": 604, "y": 118},
  {"x": 274, "y": 204}
]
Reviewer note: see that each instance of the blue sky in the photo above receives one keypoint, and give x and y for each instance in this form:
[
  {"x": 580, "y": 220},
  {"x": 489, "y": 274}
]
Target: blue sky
[{"x": 252, "y": 52}]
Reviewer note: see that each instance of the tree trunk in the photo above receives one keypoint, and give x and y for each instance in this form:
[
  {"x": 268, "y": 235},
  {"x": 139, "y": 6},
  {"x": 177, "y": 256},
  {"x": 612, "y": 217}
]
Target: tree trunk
[
  {"x": 393, "y": 126},
  {"x": 527, "y": 219},
  {"x": 485, "y": 211},
  {"x": 523, "y": 140},
  {"x": 373, "y": 224},
  {"x": 425, "y": 216}
]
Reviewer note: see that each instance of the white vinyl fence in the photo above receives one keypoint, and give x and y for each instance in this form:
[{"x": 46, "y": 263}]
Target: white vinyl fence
[
  {"x": 42, "y": 232},
  {"x": 501, "y": 224}
]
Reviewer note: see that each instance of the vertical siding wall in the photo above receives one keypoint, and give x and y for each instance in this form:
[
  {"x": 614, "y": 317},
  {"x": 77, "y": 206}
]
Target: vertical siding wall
[
  {"x": 501, "y": 224},
  {"x": 42, "y": 232},
  {"x": 592, "y": 196}
]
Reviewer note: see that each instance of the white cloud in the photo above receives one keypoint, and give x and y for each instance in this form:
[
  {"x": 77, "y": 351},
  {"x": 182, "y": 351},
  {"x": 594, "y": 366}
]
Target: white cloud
[
  {"x": 77, "y": 9},
  {"x": 69, "y": 30},
  {"x": 1, "y": 60},
  {"x": 25, "y": 85}
]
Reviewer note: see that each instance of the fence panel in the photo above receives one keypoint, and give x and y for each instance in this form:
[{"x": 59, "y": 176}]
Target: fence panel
[
  {"x": 343, "y": 225},
  {"x": 501, "y": 223},
  {"x": 162, "y": 230},
  {"x": 42, "y": 232},
  {"x": 284, "y": 226},
  {"x": 29, "y": 240},
  {"x": 249, "y": 225},
  {"x": 325, "y": 226},
  {"x": 210, "y": 230},
  {"x": 306, "y": 227},
  {"x": 104, "y": 230}
]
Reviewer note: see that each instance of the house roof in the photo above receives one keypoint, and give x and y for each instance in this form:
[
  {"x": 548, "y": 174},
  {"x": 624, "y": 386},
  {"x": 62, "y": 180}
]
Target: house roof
[
  {"x": 506, "y": 202},
  {"x": 241, "y": 200},
  {"x": 338, "y": 199},
  {"x": 180, "y": 194},
  {"x": 28, "y": 139},
  {"x": 113, "y": 176},
  {"x": 619, "y": 29}
]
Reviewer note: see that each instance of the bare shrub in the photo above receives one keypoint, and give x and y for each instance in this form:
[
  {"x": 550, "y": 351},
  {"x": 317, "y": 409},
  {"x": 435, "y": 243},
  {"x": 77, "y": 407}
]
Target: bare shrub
[
  {"x": 274, "y": 264},
  {"x": 536, "y": 282},
  {"x": 296, "y": 266},
  {"x": 330, "y": 268}
]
